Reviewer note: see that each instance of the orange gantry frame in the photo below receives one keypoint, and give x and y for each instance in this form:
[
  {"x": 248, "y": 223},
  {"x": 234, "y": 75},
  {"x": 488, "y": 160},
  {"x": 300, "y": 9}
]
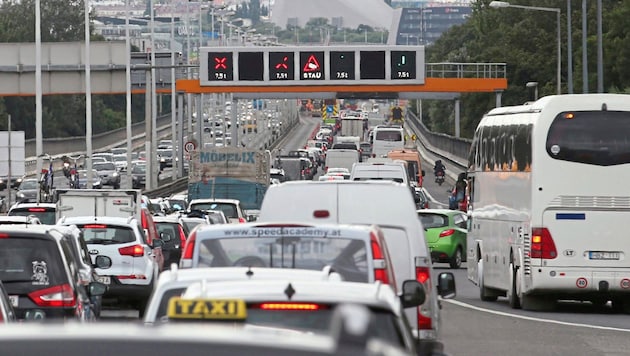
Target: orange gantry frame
[{"x": 434, "y": 85}]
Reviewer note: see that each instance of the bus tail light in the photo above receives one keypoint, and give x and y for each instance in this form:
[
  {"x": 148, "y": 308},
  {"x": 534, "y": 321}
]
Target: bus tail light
[{"x": 542, "y": 245}]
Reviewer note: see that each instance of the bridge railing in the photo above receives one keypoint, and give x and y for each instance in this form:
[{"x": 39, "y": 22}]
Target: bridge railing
[{"x": 465, "y": 70}]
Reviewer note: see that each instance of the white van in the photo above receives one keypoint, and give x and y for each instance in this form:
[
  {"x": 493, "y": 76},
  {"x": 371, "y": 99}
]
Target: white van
[
  {"x": 386, "y": 204},
  {"x": 380, "y": 170},
  {"x": 387, "y": 138},
  {"x": 341, "y": 158}
]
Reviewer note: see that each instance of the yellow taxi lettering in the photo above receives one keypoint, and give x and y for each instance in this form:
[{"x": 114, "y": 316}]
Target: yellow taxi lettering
[
  {"x": 201, "y": 308},
  {"x": 184, "y": 306},
  {"x": 218, "y": 307}
]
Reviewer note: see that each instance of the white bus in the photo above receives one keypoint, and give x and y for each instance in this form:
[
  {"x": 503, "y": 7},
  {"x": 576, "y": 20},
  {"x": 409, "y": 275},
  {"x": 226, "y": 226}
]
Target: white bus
[
  {"x": 387, "y": 138},
  {"x": 549, "y": 207}
]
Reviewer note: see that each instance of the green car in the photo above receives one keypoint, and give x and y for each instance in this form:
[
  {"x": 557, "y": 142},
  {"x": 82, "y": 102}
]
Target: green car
[{"x": 445, "y": 231}]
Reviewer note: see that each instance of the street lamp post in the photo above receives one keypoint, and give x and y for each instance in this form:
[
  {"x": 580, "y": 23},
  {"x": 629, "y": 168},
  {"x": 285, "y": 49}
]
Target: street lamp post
[{"x": 501, "y": 4}]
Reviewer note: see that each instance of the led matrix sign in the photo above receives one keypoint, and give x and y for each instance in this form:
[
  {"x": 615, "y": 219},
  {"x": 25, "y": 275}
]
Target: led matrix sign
[{"x": 300, "y": 65}]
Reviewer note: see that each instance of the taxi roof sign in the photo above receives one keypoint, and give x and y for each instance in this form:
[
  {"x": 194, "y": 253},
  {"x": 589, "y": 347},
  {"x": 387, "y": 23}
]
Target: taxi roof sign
[{"x": 207, "y": 309}]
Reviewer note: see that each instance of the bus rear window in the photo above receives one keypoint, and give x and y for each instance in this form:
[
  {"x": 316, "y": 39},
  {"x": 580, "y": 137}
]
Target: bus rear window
[{"x": 599, "y": 138}]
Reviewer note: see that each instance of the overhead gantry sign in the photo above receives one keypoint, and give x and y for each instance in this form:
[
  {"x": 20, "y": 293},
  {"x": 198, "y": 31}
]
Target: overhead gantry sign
[{"x": 327, "y": 72}]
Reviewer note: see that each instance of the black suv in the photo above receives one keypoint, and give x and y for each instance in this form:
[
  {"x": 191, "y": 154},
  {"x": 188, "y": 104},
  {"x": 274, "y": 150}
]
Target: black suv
[{"x": 41, "y": 275}]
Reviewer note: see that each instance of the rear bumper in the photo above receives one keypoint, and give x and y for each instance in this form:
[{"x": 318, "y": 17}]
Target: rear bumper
[
  {"x": 120, "y": 291},
  {"x": 571, "y": 282}
]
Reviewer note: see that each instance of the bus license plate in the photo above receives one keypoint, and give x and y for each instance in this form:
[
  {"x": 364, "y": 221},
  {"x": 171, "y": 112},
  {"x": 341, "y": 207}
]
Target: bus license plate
[
  {"x": 603, "y": 255},
  {"x": 104, "y": 279},
  {"x": 14, "y": 300}
]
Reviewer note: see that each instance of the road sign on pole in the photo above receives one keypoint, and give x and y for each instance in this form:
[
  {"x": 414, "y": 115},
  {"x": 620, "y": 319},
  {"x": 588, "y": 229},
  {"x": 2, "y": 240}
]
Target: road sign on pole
[{"x": 189, "y": 146}]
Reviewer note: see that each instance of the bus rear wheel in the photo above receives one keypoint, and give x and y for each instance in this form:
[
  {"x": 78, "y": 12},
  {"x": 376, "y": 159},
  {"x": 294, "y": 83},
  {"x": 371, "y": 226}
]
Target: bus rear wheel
[{"x": 513, "y": 292}]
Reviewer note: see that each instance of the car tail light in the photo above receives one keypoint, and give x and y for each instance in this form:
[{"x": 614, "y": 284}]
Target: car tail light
[
  {"x": 447, "y": 232},
  {"x": 133, "y": 251},
  {"x": 4, "y": 236},
  {"x": 57, "y": 296},
  {"x": 423, "y": 275},
  {"x": 182, "y": 236},
  {"x": 290, "y": 306},
  {"x": 186, "y": 261},
  {"x": 321, "y": 213},
  {"x": 380, "y": 265},
  {"x": 542, "y": 244},
  {"x": 242, "y": 220}
]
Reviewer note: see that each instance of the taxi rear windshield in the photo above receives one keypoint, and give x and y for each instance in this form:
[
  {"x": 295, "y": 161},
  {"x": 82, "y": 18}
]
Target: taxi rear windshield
[
  {"x": 348, "y": 257},
  {"x": 30, "y": 261},
  {"x": 45, "y": 215},
  {"x": 599, "y": 138}
]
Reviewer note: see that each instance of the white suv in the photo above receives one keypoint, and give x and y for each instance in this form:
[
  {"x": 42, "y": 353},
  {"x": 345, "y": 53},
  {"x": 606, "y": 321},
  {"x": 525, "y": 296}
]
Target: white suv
[
  {"x": 134, "y": 269},
  {"x": 231, "y": 208}
]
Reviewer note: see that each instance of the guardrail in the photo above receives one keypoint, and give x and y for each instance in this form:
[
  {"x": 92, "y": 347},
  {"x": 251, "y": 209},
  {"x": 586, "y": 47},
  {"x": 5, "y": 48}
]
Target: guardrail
[{"x": 451, "y": 149}]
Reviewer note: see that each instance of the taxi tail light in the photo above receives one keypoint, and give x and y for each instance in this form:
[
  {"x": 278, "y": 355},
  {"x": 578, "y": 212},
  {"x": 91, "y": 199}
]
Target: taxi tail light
[
  {"x": 542, "y": 245},
  {"x": 56, "y": 296},
  {"x": 289, "y": 306},
  {"x": 447, "y": 232},
  {"x": 133, "y": 251},
  {"x": 36, "y": 210},
  {"x": 380, "y": 265},
  {"x": 423, "y": 275}
]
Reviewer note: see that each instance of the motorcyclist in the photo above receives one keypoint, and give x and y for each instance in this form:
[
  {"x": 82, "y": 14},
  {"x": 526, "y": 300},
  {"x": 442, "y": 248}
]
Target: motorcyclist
[{"x": 439, "y": 167}]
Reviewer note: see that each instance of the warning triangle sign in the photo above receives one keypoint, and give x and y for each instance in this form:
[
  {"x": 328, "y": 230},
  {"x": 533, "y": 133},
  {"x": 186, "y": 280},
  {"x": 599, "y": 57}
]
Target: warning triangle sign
[{"x": 312, "y": 65}]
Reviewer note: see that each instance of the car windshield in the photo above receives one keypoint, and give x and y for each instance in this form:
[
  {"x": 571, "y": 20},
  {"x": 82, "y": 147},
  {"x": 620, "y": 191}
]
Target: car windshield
[
  {"x": 139, "y": 169},
  {"x": 388, "y": 135},
  {"x": 348, "y": 257},
  {"x": 228, "y": 209},
  {"x": 190, "y": 223},
  {"x": 45, "y": 215},
  {"x": 104, "y": 234},
  {"x": 29, "y": 184},
  {"x": 106, "y": 166},
  {"x": 32, "y": 261},
  {"x": 433, "y": 220}
]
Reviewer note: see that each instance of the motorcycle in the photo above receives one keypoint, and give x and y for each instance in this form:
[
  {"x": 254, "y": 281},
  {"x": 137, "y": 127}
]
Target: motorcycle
[
  {"x": 66, "y": 169},
  {"x": 439, "y": 177}
]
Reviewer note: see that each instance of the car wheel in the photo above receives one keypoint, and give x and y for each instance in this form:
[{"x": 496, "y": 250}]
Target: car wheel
[{"x": 456, "y": 259}]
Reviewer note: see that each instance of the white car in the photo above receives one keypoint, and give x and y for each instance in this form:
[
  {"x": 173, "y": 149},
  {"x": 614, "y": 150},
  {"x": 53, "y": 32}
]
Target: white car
[
  {"x": 230, "y": 207},
  {"x": 307, "y": 305},
  {"x": 174, "y": 282},
  {"x": 134, "y": 269}
]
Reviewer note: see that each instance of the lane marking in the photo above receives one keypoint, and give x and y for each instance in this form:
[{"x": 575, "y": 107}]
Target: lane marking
[{"x": 470, "y": 306}]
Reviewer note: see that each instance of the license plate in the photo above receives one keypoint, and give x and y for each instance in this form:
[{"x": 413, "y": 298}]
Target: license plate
[
  {"x": 14, "y": 300},
  {"x": 103, "y": 279},
  {"x": 603, "y": 255}
]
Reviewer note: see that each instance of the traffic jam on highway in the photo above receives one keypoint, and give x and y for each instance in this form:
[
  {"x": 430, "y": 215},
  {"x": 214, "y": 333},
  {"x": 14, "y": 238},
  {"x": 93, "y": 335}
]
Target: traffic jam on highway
[{"x": 334, "y": 241}]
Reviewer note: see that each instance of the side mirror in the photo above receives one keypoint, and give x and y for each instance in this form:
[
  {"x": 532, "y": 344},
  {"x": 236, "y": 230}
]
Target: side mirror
[
  {"x": 423, "y": 173},
  {"x": 96, "y": 288},
  {"x": 446, "y": 285},
  {"x": 157, "y": 243},
  {"x": 165, "y": 237},
  {"x": 413, "y": 294},
  {"x": 103, "y": 262},
  {"x": 251, "y": 218}
]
